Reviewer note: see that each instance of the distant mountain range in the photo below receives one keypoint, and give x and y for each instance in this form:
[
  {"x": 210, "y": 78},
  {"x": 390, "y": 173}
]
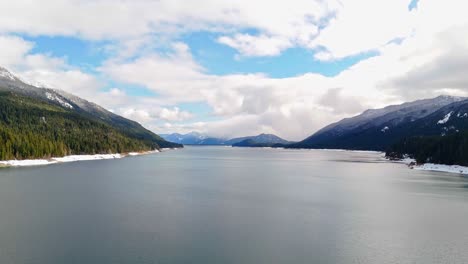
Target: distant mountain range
[
  {"x": 380, "y": 128},
  {"x": 262, "y": 140},
  {"x": 41, "y": 122},
  {"x": 195, "y": 138}
]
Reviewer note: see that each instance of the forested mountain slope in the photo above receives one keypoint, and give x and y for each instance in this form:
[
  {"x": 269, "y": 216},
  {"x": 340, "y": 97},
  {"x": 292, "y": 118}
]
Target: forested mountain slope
[
  {"x": 378, "y": 129},
  {"x": 38, "y": 123}
]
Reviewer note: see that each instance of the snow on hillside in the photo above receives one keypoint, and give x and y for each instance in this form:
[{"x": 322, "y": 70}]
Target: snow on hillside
[
  {"x": 445, "y": 119},
  {"x": 6, "y": 74},
  {"x": 54, "y": 97}
]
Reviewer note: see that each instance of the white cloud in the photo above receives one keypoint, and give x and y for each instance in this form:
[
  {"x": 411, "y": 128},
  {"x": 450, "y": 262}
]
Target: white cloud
[
  {"x": 151, "y": 115},
  {"x": 13, "y": 50},
  {"x": 174, "y": 114},
  {"x": 130, "y": 21},
  {"x": 263, "y": 45},
  {"x": 363, "y": 25},
  {"x": 340, "y": 104},
  {"x": 137, "y": 115}
]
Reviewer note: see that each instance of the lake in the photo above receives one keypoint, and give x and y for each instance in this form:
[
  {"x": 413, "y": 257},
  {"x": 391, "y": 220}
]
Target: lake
[{"x": 233, "y": 205}]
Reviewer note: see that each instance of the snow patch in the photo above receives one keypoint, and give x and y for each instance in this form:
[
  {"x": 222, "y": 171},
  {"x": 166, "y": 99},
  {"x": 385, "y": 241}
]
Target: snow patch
[
  {"x": 54, "y": 97},
  {"x": 445, "y": 119},
  {"x": 165, "y": 149},
  {"x": 442, "y": 168},
  {"x": 87, "y": 157},
  {"x": 21, "y": 163},
  {"x": 36, "y": 84},
  {"x": 385, "y": 129},
  {"x": 348, "y": 150},
  {"x": 71, "y": 158},
  {"x": 6, "y": 74},
  {"x": 406, "y": 161}
]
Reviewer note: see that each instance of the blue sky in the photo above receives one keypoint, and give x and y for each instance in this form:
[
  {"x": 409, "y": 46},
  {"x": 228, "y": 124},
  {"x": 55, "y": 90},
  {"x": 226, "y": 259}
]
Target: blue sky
[
  {"x": 216, "y": 58},
  {"x": 233, "y": 68},
  {"x": 219, "y": 59}
]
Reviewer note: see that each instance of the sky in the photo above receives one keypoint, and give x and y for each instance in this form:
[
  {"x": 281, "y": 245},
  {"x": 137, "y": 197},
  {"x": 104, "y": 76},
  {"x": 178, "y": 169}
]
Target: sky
[{"x": 235, "y": 67}]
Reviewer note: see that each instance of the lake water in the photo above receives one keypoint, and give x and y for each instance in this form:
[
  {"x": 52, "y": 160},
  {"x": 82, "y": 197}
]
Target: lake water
[{"x": 233, "y": 205}]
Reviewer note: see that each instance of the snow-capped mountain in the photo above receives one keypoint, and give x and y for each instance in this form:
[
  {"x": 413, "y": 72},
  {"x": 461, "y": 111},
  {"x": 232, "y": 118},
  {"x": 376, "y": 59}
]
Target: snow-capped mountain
[
  {"x": 195, "y": 138},
  {"x": 9, "y": 82},
  {"x": 378, "y": 128}
]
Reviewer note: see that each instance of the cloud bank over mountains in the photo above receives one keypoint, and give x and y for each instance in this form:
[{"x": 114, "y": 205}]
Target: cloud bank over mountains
[{"x": 414, "y": 53}]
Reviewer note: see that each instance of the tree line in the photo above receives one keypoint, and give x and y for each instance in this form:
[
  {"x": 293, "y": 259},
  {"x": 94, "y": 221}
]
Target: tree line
[
  {"x": 450, "y": 149},
  {"x": 31, "y": 128}
]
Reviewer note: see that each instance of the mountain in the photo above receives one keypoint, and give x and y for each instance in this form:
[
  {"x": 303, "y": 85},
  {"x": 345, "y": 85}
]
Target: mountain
[
  {"x": 262, "y": 140},
  {"x": 41, "y": 122},
  {"x": 377, "y": 129},
  {"x": 193, "y": 138},
  {"x": 441, "y": 137},
  {"x": 253, "y": 144}
]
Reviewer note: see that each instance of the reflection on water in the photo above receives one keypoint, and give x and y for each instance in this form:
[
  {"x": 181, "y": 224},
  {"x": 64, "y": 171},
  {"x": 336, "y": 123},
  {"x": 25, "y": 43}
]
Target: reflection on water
[{"x": 233, "y": 205}]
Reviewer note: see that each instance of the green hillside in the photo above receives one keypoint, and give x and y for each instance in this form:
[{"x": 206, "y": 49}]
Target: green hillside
[{"x": 33, "y": 128}]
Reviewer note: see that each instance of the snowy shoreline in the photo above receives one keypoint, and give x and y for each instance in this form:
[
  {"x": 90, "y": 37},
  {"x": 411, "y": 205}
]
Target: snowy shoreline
[
  {"x": 353, "y": 151},
  {"x": 442, "y": 168},
  {"x": 73, "y": 158},
  {"x": 411, "y": 163}
]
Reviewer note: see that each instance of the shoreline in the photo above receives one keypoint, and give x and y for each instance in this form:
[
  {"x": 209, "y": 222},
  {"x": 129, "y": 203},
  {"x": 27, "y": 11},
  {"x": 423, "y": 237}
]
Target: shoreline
[
  {"x": 454, "y": 169},
  {"x": 411, "y": 163},
  {"x": 74, "y": 158}
]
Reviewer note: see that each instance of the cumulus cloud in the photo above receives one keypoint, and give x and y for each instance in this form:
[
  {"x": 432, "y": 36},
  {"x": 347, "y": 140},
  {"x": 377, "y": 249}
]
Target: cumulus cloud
[
  {"x": 340, "y": 104},
  {"x": 281, "y": 24},
  {"x": 363, "y": 25},
  {"x": 13, "y": 50},
  {"x": 129, "y": 18},
  {"x": 155, "y": 114},
  {"x": 262, "y": 45},
  {"x": 442, "y": 70}
]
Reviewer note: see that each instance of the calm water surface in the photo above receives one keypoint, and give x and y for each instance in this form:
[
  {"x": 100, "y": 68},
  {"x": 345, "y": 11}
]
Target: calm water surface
[{"x": 233, "y": 205}]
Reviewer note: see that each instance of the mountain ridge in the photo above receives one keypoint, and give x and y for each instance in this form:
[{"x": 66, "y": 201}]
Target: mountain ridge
[
  {"x": 80, "y": 127},
  {"x": 195, "y": 138},
  {"x": 374, "y": 129}
]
